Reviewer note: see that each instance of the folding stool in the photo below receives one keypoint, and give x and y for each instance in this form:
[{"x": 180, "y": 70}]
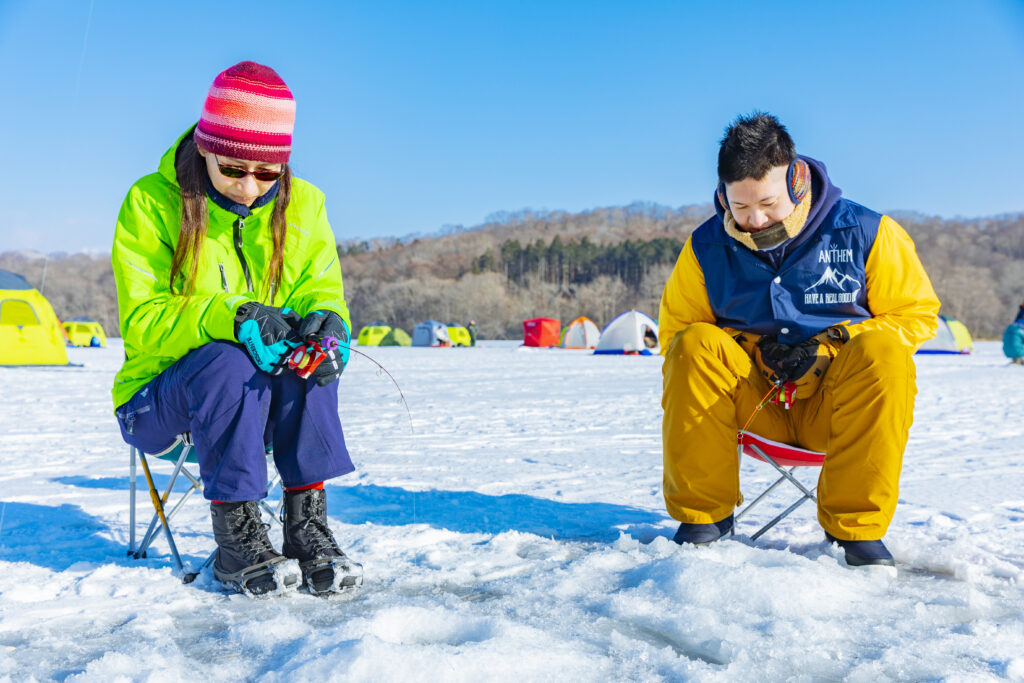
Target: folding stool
[
  {"x": 180, "y": 454},
  {"x": 780, "y": 456}
]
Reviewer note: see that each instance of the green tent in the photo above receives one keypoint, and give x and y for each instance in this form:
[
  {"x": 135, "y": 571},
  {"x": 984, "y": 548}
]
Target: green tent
[
  {"x": 396, "y": 337},
  {"x": 373, "y": 333}
]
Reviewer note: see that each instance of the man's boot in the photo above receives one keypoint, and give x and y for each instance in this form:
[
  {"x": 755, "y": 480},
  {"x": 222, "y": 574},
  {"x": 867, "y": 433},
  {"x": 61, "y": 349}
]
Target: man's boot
[
  {"x": 871, "y": 554},
  {"x": 325, "y": 568},
  {"x": 703, "y": 534},
  {"x": 245, "y": 559}
]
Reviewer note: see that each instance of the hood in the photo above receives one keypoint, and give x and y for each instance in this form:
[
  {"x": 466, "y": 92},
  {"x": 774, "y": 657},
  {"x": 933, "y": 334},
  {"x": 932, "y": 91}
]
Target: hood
[
  {"x": 166, "y": 166},
  {"x": 824, "y": 196}
]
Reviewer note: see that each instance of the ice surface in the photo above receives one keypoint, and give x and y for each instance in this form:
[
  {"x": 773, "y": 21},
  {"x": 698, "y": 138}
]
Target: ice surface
[{"x": 516, "y": 532}]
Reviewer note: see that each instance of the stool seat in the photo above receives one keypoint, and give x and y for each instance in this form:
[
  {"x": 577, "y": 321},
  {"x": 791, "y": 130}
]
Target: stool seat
[
  {"x": 173, "y": 452},
  {"x": 782, "y": 453}
]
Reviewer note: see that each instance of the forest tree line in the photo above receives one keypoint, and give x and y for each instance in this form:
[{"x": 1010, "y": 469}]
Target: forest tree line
[
  {"x": 556, "y": 264},
  {"x": 578, "y": 262}
]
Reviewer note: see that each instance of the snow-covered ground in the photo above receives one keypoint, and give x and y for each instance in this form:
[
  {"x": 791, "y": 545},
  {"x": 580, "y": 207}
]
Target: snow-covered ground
[{"x": 516, "y": 532}]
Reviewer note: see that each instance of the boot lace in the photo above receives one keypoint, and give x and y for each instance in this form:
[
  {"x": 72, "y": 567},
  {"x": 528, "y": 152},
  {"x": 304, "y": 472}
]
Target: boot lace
[
  {"x": 253, "y": 530},
  {"x": 315, "y": 511}
]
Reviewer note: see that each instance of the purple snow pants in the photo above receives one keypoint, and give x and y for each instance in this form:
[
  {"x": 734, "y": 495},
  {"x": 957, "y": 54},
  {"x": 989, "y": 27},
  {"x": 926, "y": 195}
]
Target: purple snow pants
[{"x": 235, "y": 412}]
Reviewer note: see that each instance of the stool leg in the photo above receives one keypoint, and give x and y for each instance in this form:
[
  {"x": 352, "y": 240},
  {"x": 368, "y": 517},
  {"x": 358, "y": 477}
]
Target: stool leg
[
  {"x": 158, "y": 503},
  {"x": 757, "y": 500},
  {"x": 131, "y": 501},
  {"x": 786, "y": 475},
  {"x": 158, "y": 516},
  {"x": 782, "y": 515},
  {"x": 276, "y": 512}
]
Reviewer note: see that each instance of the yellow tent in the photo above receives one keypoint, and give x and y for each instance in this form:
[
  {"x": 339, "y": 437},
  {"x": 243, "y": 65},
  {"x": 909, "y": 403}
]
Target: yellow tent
[
  {"x": 30, "y": 333},
  {"x": 372, "y": 334},
  {"x": 951, "y": 337},
  {"x": 85, "y": 332},
  {"x": 459, "y": 335},
  {"x": 961, "y": 335}
]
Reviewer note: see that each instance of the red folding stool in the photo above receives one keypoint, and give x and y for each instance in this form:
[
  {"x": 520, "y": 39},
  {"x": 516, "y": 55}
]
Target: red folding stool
[{"x": 780, "y": 456}]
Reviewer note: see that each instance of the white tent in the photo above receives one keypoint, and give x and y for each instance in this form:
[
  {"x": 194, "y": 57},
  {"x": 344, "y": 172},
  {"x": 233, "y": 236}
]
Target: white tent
[
  {"x": 431, "y": 333},
  {"x": 581, "y": 333},
  {"x": 631, "y": 333}
]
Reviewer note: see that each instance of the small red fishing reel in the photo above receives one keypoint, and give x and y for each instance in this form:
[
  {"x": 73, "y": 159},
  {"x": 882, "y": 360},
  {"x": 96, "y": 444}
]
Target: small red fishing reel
[
  {"x": 785, "y": 395},
  {"x": 306, "y": 358}
]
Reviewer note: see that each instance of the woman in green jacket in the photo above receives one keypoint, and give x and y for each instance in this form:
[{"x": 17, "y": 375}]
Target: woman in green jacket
[{"x": 225, "y": 265}]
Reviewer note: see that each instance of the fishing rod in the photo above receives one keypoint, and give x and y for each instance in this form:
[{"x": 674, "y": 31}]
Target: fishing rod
[{"x": 306, "y": 358}]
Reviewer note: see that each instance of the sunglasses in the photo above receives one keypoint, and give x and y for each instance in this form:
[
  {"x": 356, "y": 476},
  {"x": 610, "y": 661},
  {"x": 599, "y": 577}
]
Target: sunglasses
[{"x": 236, "y": 172}]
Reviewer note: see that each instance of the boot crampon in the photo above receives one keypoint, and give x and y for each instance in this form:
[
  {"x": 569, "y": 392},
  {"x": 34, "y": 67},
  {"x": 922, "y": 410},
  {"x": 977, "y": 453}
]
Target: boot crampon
[{"x": 245, "y": 559}]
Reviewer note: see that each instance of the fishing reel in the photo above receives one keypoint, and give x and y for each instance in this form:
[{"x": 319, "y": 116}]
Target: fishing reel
[
  {"x": 307, "y": 357},
  {"x": 785, "y": 394}
]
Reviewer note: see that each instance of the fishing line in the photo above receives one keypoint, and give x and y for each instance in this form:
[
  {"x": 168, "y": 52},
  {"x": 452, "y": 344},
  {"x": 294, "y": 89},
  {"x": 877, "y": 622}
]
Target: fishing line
[
  {"x": 393, "y": 380},
  {"x": 760, "y": 405}
]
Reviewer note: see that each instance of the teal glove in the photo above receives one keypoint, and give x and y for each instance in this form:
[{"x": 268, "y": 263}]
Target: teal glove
[
  {"x": 317, "y": 325},
  {"x": 268, "y": 334}
]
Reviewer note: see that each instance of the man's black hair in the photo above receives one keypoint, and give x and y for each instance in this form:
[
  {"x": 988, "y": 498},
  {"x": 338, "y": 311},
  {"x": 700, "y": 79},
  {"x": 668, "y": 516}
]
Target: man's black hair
[{"x": 752, "y": 146}]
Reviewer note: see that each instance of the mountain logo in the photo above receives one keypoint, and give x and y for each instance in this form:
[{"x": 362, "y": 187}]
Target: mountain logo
[
  {"x": 839, "y": 288},
  {"x": 834, "y": 279}
]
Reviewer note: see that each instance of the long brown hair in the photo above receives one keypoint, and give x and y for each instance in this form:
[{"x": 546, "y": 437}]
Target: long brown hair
[{"x": 190, "y": 168}]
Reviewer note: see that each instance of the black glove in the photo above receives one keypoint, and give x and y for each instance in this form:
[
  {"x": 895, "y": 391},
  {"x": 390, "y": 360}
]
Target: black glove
[
  {"x": 268, "y": 334},
  {"x": 789, "y": 362},
  {"x": 317, "y": 325}
]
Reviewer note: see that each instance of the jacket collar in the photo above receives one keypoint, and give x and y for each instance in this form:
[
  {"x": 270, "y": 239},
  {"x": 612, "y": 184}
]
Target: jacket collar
[
  {"x": 825, "y": 205},
  {"x": 234, "y": 207}
]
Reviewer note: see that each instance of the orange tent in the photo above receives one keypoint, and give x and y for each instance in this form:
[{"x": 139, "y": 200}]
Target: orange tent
[
  {"x": 581, "y": 333},
  {"x": 541, "y": 332}
]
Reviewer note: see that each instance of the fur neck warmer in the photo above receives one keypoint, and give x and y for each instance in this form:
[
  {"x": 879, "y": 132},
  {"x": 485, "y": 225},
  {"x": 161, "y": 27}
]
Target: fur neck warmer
[{"x": 773, "y": 235}]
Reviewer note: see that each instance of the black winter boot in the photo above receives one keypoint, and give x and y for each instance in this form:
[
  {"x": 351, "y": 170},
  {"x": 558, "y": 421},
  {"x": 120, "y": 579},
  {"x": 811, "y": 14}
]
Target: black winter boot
[
  {"x": 246, "y": 560},
  {"x": 325, "y": 568}
]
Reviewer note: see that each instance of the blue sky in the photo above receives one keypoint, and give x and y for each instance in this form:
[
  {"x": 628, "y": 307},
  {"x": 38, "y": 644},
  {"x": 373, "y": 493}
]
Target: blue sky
[{"x": 416, "y": 115}]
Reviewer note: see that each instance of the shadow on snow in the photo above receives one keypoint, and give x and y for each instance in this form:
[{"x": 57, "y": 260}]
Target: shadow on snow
[
  {"x": 122, "y": 483},
  {"x": 459, "y": 511},
  {"x": 54, "y": 537},
  {"x": 472, "y": 512}
]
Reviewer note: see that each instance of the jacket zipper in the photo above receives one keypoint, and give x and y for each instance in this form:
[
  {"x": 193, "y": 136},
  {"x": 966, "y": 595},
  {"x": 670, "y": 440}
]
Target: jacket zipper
[
  {"x": 223, "y": 277},
  {"x": 239, "y": 227}
]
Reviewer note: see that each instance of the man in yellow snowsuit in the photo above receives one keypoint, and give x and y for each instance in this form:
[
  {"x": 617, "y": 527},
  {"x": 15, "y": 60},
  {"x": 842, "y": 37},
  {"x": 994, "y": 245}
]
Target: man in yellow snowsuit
[{"x": 791, "y": 286}]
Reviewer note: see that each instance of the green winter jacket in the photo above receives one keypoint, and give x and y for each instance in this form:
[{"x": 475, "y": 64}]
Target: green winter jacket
[{"x": 159, "y": 328}]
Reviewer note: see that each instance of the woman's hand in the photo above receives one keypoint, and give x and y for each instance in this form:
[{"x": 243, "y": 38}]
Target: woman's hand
[
  {"x": 268, "y": 334},
  {"x": 315, "y": 327}
]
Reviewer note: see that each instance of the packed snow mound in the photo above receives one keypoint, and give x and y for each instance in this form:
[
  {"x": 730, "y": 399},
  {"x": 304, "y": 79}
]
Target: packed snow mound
[{"x": 516, "y": 531}]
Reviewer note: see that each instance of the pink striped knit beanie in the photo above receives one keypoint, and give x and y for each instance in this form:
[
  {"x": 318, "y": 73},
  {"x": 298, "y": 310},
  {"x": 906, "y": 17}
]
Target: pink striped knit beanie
[{"x": 249, "y": 114}]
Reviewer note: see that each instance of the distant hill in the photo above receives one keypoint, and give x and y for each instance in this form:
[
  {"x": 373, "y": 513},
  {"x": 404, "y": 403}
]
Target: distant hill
[
  {"x": 550, "y": 263},
  {"x": 601, "y": 262}
]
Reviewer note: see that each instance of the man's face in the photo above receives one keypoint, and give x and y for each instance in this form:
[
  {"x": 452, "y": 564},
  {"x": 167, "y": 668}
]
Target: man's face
[{"x": 758, "y": 204}]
